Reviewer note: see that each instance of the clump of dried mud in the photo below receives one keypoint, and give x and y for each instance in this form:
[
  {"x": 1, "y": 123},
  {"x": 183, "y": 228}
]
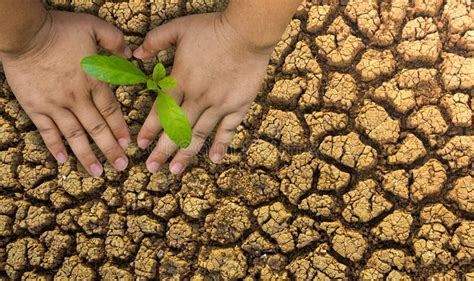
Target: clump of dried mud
[{"x": 355, "y": 161}]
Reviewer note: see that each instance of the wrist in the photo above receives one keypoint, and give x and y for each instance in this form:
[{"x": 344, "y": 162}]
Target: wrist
[
  {"x": 261, "y": 44},
  {"x": 28, "y": 38},
  {"x": 260, "y": 23}
]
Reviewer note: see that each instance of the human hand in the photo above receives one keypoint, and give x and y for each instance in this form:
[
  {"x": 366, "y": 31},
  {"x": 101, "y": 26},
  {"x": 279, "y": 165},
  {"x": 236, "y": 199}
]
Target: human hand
[
  {"x": 59, "y": 97},
  {"x": 219, "y": 74}
]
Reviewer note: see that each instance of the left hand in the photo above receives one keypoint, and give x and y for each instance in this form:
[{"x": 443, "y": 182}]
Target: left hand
[{"x": 59, "y": 97}]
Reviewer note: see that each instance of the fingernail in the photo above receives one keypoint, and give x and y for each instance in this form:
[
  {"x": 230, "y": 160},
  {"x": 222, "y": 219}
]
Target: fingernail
[
  {"x": 96, "y": 170},
  {"x": 123, "y": 143},
  {"x": 61, "y": 157},
  {"x": 176, "y": 168},
  {"x": 153, "y": 167},
  {"x": 143, "y": 143},
  {"x": 216, "y": 157},
  {"x": 138, "y": 52},
  {"x": 127, "y": 52},
  {"x": 121, "y": 163}
]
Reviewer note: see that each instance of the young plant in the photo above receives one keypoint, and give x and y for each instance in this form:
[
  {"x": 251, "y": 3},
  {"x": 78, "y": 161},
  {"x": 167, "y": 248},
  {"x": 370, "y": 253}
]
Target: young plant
[{"x": 118, "y": 71}]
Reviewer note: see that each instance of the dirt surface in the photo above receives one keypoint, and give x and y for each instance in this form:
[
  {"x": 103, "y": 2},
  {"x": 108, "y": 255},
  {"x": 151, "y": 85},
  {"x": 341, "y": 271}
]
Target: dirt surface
[{"x": 355, "y": 161}]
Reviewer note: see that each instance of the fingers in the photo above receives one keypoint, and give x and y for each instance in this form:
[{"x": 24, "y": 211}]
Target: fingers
[
  {"x": 150, "y": 129},
  {"x": 152, "y": 126},
  {"x": 204, "y": 126},
  {"x": 160, "y": 38},
  {"x": 51, "y": 136},
  {"x": 98, "y": 129},
  {"x": 225, "y": 133},
  {"x": 77, "y": 139},
  {"x": 165, "y": 147},
  {"x": 110, "y": 38},
  {"x": 109, "y": 108}
]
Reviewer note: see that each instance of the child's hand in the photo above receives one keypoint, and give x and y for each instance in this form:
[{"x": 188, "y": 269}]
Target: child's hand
[
  {"x": 218, "y": 74},
  {"x": 59, "y": 97}
]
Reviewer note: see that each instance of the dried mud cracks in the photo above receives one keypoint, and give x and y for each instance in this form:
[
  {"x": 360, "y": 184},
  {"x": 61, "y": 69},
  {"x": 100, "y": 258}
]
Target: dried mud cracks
[{"x": 355, "y": 161}]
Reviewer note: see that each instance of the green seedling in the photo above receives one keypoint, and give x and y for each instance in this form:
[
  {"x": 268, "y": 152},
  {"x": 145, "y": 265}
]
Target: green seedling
[{"x": 118, "y": 71}]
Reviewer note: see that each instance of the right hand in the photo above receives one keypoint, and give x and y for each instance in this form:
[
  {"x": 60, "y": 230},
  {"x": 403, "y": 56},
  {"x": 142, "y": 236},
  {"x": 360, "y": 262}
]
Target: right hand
[
  {"x": 60, "y": 98},
  {"x": 219, "y": 74}
]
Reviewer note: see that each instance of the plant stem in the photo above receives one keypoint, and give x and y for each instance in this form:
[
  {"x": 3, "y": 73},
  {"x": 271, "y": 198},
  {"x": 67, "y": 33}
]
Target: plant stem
[{"x": 143, "y": 91}]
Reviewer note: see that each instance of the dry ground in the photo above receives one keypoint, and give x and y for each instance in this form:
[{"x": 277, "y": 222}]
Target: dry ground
[{"x": 355, "y": 161}]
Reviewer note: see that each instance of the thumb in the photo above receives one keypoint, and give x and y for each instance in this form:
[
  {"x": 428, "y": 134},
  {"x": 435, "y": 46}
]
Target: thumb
[
  {"x": 160, "y": 38},
  {"x": 110, "y": 38}
]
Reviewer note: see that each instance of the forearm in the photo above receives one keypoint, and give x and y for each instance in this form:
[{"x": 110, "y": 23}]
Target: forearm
[
  {"x": 261, "y": 22},
  {"x": 20, "y": 21}
]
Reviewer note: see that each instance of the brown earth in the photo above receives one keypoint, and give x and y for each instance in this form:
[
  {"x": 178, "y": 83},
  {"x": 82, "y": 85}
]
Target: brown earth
[{"x": 355, "y": 161}]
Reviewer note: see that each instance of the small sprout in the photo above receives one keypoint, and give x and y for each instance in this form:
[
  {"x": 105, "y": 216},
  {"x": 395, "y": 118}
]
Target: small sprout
[
  {"x": 151, "y": 85},
  {"x": 159, "y": 72},
  {"x": 118, "y": 71}
]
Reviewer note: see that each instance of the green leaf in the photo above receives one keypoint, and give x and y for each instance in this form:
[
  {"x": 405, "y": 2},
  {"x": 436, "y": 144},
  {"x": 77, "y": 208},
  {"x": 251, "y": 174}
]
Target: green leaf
[
  {"x": 173, "y": 120},
  {"x": 159, "y": 72},
  {"x": 113, "y": 69},
  {"x": 151, "y": 85},
  {"x": 167, "y": 83}
]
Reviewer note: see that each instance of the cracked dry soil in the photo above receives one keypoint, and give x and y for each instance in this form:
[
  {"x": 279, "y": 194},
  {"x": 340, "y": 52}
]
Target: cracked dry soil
[{"x": 354, "y": 162}]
